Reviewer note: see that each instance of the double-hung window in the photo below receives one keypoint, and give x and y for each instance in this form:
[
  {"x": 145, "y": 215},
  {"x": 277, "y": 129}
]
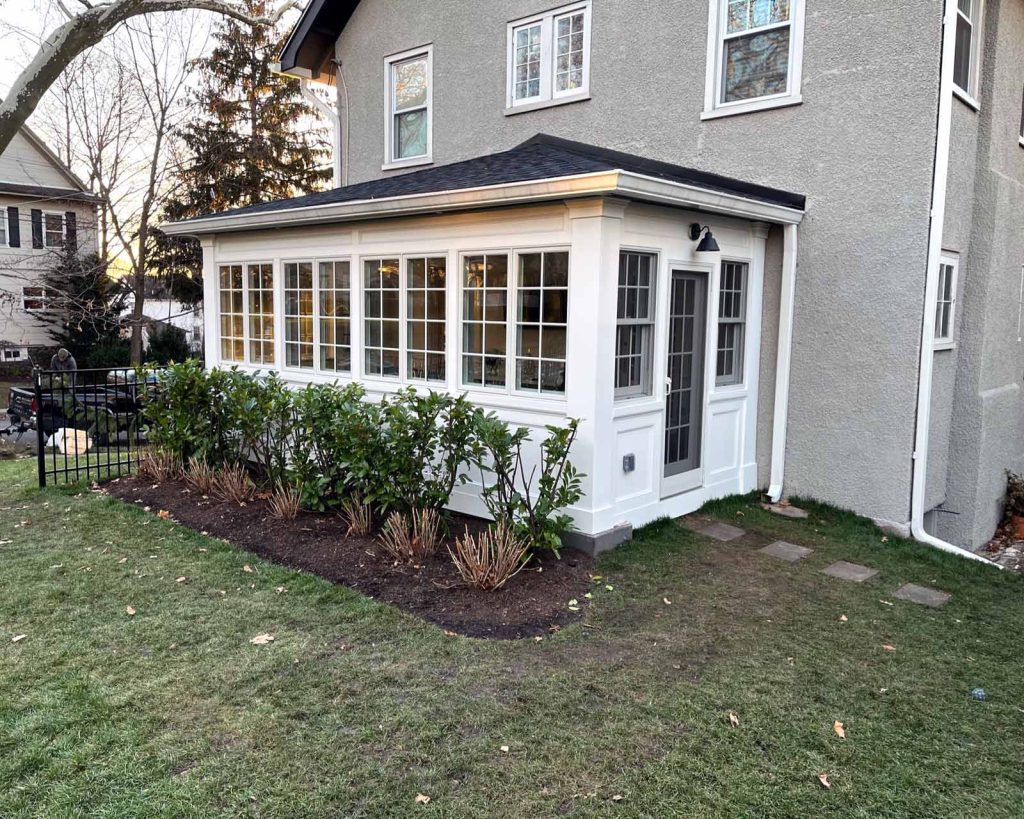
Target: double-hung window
[
  {"x": 53, "y": 229},
  {"x": 34, "y": 299},
  {"x": 3, "y": 230},
  {"x": 732, "y": 319},
  {"x": 967, "y": 58},
  {"x": 755, "y": 55},
  {"x": 634, "y": 335},
  {"x": 945, "y": 301},
  {"x": 409, "y": 104},
  {"x": 549, "y": 57}
]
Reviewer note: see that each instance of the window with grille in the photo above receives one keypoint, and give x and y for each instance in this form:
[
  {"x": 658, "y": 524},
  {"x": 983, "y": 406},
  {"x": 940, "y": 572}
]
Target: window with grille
[
  {"x": 549, "y": 56},
  {"x": 542, "y": 318},
  {"x": 381, "y": 308},
  {"x": 232, "y": 313},
  {"x": 261, "y": 313},
  {"x": 945, "y": 301},
  {"x": 426, "y": 283},
  {"x": 484, "y": 320},
  {"x": 409, "y": 104},
  {"x": 298, "y": 315},
  {"x": 634, "y": 335},
  {"x": 732, "y": 317},
  {"x": 335, "y": 316}
]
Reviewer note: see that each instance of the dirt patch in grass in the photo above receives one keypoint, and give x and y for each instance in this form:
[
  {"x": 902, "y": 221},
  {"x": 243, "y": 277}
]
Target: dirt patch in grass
[{"x": 530, "y": 604}]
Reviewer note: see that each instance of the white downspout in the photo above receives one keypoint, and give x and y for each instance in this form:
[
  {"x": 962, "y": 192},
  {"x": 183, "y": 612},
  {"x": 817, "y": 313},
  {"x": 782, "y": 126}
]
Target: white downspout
[
  {"x": 334, "y": 119},
  {"x": 938, "y": 219},
  {"x": 784, "y": 358}
]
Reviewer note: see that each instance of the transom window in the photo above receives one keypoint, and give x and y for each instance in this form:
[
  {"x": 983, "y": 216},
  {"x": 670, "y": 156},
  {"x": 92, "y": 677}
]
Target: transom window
[
  {"x": 967, "y": 59},
  {"x": 542, "y": 296},
  {"x": 381, "y": 306},
  {"x": 549, "y": 56},
  {"x": 261, "y": 313},
  {"x": 426, "y": 282},
  {"x": 53, "y": 229},
  {"x": 634, "y": 335},
  {"x": 755, "y": 55},
  {"x": 409, "y": 104},
  {"x": 232, "y": 313},
  {"x": 732, "y": 317},
  {"x": 945, "y": 301},
  {"x": 335, "y": 317},
  {"x": 298, "y": 315}
]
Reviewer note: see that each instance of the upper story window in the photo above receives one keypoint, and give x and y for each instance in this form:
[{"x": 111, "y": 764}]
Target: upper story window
[
  {"x": 53, "y": 229},
  {"x": 755, "y": 55},
  {"x": 409, "y": 104},
  {"x": 945, "y": 302},
  {"x": 967, "y": 60},
  {"x": 549, "y": 57},
  {"x": 3, "y": 233}
]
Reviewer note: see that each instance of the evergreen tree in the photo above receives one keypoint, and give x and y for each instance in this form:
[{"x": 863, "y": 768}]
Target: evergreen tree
[{"x": 253, "y": 138}]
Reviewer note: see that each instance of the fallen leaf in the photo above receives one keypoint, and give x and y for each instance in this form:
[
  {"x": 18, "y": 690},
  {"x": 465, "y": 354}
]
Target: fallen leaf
[
  {"x": 262, "y": 639},
  {"x": 504, "y": 749},
  {"x": 589, "y": 596},
  {"x": 122, "y": 560},
  {"x": 129, "y": 611},
  {"x": 281, "y": 590},
  {"x": 247, "y": 569},
  {"x": 823, "y": 779},
  {"x": 666, "y": 601},
  {"x": 18, "y": 638},
  {"x": 837, "y": 726},
  {"x": 422, "y": 799},
  {"x": 618, "y": 797},
  {"x": 574, "y": 602},
  {"x": 886, "y": 603},
  {"x": 163, "y": 514},
  {"x": 734, "y": 720},
  {"x": 595, "y": 577},
  {"x": 610, "y": 588},
  {"x": 888, "y": 647},
  {"x": 844, "y": 619},
  {"x": 450, "y": 634},
  {"x": 538, "y": 639}
]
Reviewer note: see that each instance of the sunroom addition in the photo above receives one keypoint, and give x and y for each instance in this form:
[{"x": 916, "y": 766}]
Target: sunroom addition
[{"x": 553, "y": 280}]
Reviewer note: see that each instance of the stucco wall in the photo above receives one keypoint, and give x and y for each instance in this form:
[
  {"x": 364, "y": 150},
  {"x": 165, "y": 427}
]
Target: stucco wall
[
  {"x": 986, "y": 223},
  {"x": 860, "y": 148}
]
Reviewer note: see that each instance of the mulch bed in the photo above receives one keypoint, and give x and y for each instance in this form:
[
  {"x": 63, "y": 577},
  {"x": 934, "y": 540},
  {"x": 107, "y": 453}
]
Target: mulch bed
[{"x": 531, "y": 604}]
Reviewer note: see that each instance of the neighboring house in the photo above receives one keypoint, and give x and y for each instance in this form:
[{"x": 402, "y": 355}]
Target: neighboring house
[
  {"x": 173, "y": 313},
  {"x": 523, "y": 219},
  {"x": 43, "y": 208}
]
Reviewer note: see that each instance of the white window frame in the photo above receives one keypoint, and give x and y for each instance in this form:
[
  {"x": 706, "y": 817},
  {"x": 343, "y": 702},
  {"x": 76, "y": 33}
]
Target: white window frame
[
  {"x": 3, "y": 227},
  {"x": 972, "y": 94},
  {"x": 739, "y": 375},
  {"x": 392, "y": 162},
  {"x": 511, "y": 322},
  {"x": 714, "y": 82},
  {"x": 264, "y": 318},
  {"x": 63, "y": 230},
  {"x": 548, "y": 96},
  {"x": 42, "y": 297},
  {"x": 952, "y": 262},
  {"x": 646, "y": 387},
  {"x": 278, "y": 349},
  {"x": 282, "y": 354},
  {"x": 319, "y": 318}
]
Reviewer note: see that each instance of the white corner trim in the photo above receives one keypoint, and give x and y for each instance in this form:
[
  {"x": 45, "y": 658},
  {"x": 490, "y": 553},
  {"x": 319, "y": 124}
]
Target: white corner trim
[{"x": 780, "y": 416}]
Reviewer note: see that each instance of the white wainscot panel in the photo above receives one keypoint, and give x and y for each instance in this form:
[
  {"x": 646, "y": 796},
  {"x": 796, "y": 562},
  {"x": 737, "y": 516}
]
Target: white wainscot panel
[
  {"x": 638, "y": 439},
  {"x": 723, "y": 441}
]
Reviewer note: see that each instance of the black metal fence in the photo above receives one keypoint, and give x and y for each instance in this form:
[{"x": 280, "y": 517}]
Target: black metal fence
[{"x": 88, "y": 423}]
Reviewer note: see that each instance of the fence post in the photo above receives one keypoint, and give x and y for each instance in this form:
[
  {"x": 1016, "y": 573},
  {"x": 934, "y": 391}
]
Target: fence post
[{"x": 40, "y": 435}]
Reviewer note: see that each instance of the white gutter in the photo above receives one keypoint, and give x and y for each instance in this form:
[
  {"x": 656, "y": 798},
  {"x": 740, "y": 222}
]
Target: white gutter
[
  {"x": 780, "y": 417},
  {"x": 602, "y": 183},
  {"x": 938, "y": 219}
]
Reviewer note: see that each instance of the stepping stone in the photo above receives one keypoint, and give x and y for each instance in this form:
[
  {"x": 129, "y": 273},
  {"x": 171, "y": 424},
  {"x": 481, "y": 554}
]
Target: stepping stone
[
  {"x": 853, "y": 572},
  {"x": 722, "y": 531},
  {"x": 922, "y": 595},
  {"x": 787, "y": 511},
  {"x": 789, "y": 552}
]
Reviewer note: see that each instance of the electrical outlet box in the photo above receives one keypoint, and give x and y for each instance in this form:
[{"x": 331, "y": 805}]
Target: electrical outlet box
[{"x": 629, "y": 462}]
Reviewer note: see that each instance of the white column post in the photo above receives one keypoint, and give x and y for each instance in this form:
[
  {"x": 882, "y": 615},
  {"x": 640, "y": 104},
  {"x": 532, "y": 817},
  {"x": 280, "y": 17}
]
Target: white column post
[
  {"x": 211, "y": 302},
  {"x": 596, "y": 231}
]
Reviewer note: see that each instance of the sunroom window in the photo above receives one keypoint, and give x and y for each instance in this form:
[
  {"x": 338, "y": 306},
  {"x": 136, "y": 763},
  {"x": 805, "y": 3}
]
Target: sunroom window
[
  {"x": 426, "y": 281},
  {"x": 232, "y": 313},
  {"x": 298, "y": 315},
  {"x": 634, "y": 335},
  {"x": 756, "y": 54},
  {"x": 732, "y": 317},
  {"x": 484, "y": 319},
  {"x": 542, "y": 296},
  {"x": 381, "y": 306},
  {"x": 335, "y": 316},
  {"x": 261, "y": 313},
  {"x": 549, "y": 56}
]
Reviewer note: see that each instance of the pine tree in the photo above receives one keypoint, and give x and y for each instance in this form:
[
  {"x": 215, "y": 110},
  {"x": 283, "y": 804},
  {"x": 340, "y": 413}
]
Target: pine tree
[{"x": 253, "y": 138}]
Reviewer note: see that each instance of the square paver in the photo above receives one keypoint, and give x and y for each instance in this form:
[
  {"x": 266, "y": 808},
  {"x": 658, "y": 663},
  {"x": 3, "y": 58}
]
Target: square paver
[
  {"x": 786, "y": 511},
  {"x": 923, "y": 595},
  {"x": 853, "y": 572},
  {"x": 722, "y": 531},
  {"x": 789, "y": 552}
]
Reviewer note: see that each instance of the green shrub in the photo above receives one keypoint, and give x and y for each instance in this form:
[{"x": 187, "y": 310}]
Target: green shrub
[
  {"x": 530, "y": 503},
  {"x": 262, "y": 411}
]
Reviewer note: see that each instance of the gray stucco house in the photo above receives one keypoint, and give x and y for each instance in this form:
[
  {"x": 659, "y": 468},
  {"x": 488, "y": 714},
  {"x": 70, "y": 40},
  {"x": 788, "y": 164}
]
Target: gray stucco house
[{"x": 772, "y": 244}]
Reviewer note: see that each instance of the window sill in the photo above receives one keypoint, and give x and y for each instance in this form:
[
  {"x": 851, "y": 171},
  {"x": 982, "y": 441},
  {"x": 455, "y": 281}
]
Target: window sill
[
  {"x": 407, "y": 163},
  {"x": 752, "y": 106},
  {"x": 966, "y": 98},
  {"x": 540, "y": 105},
  {"x": 1021, "y": 140},
  {"x": 943, "y": 346}
]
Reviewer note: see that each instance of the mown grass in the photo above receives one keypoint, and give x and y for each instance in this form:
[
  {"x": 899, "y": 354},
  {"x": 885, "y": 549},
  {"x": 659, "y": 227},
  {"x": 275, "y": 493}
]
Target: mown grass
[{"x": 356, "y": 707}]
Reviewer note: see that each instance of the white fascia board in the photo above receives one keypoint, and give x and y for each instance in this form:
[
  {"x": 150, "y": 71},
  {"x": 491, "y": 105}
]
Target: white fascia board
[{"x": 604, "y": 183}]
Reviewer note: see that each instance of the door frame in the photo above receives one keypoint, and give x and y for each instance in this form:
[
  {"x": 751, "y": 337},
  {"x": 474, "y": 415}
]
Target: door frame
[{"x": 674, "y": 485}]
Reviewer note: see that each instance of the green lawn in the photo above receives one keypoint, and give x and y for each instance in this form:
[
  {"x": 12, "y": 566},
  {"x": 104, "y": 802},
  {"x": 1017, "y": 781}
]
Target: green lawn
[{"x": 356, "y": 708}]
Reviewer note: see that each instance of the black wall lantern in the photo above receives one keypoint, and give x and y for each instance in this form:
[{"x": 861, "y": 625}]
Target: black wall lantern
[{"x": 707, "y": 242}]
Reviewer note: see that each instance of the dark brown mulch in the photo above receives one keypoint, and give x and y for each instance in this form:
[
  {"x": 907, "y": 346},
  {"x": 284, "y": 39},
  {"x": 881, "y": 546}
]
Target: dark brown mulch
[{"x": 529, "y": 605}]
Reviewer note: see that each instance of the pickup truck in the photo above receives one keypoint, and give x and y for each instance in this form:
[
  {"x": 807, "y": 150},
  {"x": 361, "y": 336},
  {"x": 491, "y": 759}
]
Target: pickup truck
[{"x": 105, "y": 409}]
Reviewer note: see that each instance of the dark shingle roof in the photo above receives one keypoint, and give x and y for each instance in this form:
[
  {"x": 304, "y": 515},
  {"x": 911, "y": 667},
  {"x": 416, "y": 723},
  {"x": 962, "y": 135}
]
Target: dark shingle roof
[
  {"x": 44, "y": 193},
  {"x": 542, "y": 157}
]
